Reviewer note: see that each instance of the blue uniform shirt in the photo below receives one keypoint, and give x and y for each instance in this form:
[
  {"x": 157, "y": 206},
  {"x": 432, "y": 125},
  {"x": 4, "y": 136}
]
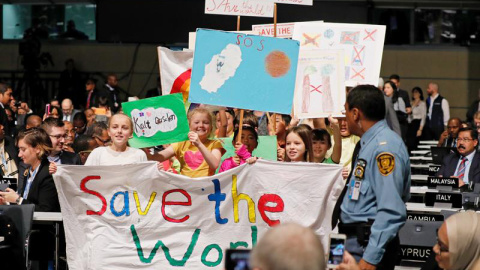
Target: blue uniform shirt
[{"x": 384, "y": 190}]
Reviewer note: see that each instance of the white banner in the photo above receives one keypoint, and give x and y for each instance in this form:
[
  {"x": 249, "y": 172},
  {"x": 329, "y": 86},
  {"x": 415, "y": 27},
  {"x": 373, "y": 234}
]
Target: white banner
[
  {"x": 135, "y": 217},
  {"x": 255, "y": 8}
]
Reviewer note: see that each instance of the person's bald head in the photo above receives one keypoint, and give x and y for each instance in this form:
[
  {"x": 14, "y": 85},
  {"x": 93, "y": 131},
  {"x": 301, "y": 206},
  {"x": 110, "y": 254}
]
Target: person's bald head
[
  {"x": 67, "y": 106},
  {"x": 432, "y": 88},
  {"x": 288, "y": 247},
  {"x": 33, "y": 121}
]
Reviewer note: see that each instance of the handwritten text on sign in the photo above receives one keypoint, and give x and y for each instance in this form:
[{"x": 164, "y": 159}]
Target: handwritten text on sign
[
  {"x": 149, "y": 121},
  {"x": 124, "y": 217},
  {"x": 255, "y": 8}
]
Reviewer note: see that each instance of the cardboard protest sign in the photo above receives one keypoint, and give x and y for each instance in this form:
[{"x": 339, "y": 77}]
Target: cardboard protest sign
[
  {"x": 244, "y": 71},
  {"x": 362, "y": 43},
  {"x": 157, "y": 120},
  {"x": 175, "y": 71},
  {"x": 255, "y": 8},
  {"x": 320, "y": 84},
  {"x": 284, "y": 30},
  {"x": 192, "y": 37},
  {"x": 266, "y": 149},
  {"x": 136, "y": 217}
]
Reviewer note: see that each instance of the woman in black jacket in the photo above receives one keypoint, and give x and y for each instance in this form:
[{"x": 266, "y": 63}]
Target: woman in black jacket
[{"x": 37, "y": 186}]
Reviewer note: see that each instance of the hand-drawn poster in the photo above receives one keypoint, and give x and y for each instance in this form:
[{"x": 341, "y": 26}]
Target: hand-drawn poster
[
  {"x": 320, "y": 84},
  {"x": 363, "y": 45},
  {"x": 157, "y": 120},
  {"x": 255, "y": 8},
  {"x": 244, "y": 71}
]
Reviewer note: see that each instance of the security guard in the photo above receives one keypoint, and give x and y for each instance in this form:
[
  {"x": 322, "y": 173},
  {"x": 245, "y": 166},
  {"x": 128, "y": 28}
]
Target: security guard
[{"x": 373, "y": 209}]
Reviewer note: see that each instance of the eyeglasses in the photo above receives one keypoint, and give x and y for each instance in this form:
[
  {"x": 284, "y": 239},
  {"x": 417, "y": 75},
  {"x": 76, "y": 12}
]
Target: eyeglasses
[
  {"x": 464, "y": 140},
  {"x": 59, "y": 136},
  {"x": 79, "y": 128},
  {"x": 85, "y": 152},
  {"x": 107, "y": 141}
]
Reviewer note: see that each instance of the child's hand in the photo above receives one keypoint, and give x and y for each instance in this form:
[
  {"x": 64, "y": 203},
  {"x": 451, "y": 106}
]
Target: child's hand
[
  {"x": 238, "y": 145},
  {"x": 160, "y": 166},
  {"x": 251, "y": 160},
  {"x": 236, "y": 159},
  {"x": 345, "y": 173},
  {"x": 52, "y": 168},
  {"x": 280, "y": 154},
  {"x": 193, "y": 137},
  {"x": 333, "y": 122}
]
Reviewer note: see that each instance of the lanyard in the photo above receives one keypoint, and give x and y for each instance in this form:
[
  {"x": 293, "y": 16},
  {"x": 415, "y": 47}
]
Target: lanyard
[{"x": 30, "y": 178}]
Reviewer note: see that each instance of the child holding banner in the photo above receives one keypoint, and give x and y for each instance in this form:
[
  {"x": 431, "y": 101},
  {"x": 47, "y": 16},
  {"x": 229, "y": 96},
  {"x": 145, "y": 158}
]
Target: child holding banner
[
  {"x": 120, "y": 129},
  {"x": 299, "y": 144},
  {"x": 243, "y": 149},
  {"x": 199, "y": 156}
]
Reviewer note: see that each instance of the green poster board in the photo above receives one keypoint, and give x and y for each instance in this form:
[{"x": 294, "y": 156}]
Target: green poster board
[
  {"x": 266, "y": 148},
  {"x": 157, "y": 120}
]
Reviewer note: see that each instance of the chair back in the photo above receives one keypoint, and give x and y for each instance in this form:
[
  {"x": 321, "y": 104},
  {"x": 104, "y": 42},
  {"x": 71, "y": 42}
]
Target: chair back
[{"x": 22, "y": 216}]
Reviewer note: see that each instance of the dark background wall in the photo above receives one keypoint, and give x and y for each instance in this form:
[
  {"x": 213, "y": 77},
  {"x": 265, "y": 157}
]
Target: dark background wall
[{"x": 169, "y": 21}]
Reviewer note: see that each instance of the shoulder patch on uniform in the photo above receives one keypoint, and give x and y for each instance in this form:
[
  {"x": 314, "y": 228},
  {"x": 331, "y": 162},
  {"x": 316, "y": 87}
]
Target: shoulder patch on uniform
[{"x": 385, "y": 163}]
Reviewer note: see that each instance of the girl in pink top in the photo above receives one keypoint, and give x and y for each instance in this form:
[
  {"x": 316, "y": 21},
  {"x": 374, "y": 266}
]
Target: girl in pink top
[{"x": 243, "y": 149}]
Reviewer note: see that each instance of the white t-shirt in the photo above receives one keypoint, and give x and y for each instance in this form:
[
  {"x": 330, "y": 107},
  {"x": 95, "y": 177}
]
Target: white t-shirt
[{"x": 106, "y": 156}]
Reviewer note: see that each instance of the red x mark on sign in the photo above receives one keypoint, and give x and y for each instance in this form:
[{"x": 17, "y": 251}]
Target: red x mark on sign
[
  {"x": 309, "y": 39},
  {"x": 316, "y": 89},
  {"x": 357, "y": 57},
  {"x": 370, "y": 34},
  {"x": 358, "y": 73}
]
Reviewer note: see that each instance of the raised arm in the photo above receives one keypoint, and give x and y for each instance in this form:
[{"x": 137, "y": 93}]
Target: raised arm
[{"x": 337, "y": 138}]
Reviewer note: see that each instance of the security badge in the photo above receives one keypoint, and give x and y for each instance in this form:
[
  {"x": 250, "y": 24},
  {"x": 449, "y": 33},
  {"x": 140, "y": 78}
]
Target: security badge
[
  {"x": 385, "y": 163},
  {"x": 355, "y": 185}
]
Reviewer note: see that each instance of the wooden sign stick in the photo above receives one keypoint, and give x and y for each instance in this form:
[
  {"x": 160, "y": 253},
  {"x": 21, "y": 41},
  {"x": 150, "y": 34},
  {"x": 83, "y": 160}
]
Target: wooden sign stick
[
  {"x": 274, "y": 35},
  {"x": 240, "y": 123},
  {"x": 240, "y": 126}
]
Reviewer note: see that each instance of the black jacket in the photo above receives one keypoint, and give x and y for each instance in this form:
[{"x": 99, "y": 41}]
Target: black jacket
[
  {"x": 449, "y": 166},
  {"x": 43, "y": 192},
  {"x": 69, "y": 158}
]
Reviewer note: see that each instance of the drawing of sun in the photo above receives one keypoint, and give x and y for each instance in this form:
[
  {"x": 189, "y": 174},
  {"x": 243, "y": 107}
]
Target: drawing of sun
[{"x": 277, "y": 64}]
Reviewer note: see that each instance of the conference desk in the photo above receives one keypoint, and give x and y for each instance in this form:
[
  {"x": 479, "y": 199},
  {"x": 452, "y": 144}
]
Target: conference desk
[
  {"x": 56, "y": 219},
  {"x": 429, "y": 142},
  {"x": 420, "y": 152},
  {"x": 425, "y": 146}
]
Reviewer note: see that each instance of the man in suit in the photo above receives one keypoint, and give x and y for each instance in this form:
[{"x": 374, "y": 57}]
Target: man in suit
[
  {"x": 68, "y": 110},
  {"x": 466, "y": 163},
  {"x": 449, "y": 136},
  {"x": 401, "y": 93},
  {"x": 5, "y": 98},
  {"x": 55, "y": 129}
]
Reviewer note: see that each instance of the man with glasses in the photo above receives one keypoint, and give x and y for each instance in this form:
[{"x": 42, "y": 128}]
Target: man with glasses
[
  {"x": 79, "y": 124},
  {"x": 466, "y": 163},
  {"x": 83, "y": 146},
  {"x": 100, "y": 134},
  {"x": 55, "y": 129}
]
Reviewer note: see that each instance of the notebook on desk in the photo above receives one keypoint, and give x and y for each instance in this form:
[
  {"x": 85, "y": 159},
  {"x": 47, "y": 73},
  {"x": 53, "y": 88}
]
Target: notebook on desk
[{"x": 438, "y": 153}]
